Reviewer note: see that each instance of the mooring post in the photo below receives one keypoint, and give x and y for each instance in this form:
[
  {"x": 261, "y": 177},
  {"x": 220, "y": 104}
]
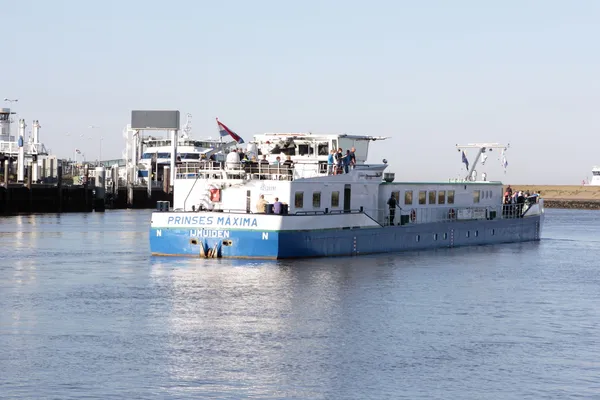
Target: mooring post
[
  {"x": 166, "y": 179},
  {"x": 6, "y": 173},
  {"x": 100, "y": 188},
  {"x": 149, "y": 185},
  {"x": 59, "y": 186}
]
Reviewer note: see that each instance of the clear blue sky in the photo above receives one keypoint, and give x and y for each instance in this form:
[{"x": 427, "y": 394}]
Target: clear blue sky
[{"x": 429, "y": 74}]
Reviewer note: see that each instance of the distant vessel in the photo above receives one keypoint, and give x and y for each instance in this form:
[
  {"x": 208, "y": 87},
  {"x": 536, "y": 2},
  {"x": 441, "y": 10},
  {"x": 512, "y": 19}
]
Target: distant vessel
[
  {"x": 595, "y": 177},
  {"x": 156, "y": 151},
  {"x": 216, "y": 210}
]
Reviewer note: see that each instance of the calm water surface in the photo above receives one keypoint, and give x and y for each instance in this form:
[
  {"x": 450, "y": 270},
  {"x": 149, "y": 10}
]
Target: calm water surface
[{"x": 86, "y": 313}]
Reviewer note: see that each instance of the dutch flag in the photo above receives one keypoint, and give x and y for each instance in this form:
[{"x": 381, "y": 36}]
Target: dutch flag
[{"x": 224, "y": 131}]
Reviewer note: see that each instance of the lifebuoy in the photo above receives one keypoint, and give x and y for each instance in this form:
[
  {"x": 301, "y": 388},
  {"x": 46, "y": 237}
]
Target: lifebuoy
[
  {"x": 413, "y": 215},
  {"x": 451, "y": 214},
  {"x": 215, "y": 195}
]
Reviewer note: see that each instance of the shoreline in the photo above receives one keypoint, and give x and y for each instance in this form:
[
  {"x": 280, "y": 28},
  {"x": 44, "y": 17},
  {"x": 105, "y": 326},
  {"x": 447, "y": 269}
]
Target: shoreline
[{"x": 575, "y": 197}]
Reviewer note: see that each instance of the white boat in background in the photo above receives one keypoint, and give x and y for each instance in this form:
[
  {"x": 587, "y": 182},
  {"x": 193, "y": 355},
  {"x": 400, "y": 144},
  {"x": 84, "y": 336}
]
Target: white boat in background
[{"x": 156, "y": 151}]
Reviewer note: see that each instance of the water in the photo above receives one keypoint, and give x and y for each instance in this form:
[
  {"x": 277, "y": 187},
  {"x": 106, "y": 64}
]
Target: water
[{"x": 86, "y": 313}]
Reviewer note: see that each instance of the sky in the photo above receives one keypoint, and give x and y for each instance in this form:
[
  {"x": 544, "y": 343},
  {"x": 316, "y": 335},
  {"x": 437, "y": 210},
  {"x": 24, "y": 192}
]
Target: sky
[{"x": 428, "y": 74}]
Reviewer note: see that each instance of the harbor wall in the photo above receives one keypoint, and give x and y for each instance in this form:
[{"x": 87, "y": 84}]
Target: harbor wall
[
  {"x": 582, "y": 197},
  {"x": 39, "y": 198}
]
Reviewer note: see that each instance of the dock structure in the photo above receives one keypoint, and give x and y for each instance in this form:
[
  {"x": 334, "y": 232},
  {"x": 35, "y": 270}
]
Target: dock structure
[{"x": 33, "y": 181}]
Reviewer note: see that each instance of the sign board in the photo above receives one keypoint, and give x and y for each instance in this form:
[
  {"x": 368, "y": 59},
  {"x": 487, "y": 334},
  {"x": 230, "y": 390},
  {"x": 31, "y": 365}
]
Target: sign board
[{"x": 155, "y": 120}]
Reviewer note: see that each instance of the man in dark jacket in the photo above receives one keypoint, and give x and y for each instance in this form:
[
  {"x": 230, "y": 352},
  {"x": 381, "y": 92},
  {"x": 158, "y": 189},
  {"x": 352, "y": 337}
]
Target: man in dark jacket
[{"x": 392, "y": 203}]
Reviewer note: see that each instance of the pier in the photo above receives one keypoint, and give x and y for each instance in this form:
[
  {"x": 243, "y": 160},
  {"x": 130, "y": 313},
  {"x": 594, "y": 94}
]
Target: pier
[{"x": 48, "y": 198}]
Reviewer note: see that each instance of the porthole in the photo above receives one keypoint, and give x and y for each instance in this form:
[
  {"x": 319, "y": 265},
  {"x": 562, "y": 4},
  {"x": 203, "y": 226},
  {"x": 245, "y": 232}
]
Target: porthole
[{"x": 418, "y": 238}]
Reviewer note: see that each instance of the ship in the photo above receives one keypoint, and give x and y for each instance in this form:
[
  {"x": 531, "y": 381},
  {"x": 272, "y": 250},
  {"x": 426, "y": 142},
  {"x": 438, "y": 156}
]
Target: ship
[
  {"x": 318, "y": 209},
  {"x": 156, "y": 151}
]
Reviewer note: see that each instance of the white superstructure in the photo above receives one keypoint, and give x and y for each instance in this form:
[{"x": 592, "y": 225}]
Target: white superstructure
[
  {"x": 595, "y": 176},
  {"x": 17, "y": 148}
]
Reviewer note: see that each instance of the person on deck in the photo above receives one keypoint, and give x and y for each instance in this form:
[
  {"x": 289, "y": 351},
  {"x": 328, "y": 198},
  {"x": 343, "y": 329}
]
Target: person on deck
[
  {"x": 392, "y": 203},
  {"x": 277, "y": 206},
  {"x": 330, "y": 162},
  {"x": 261, "y": 204}
]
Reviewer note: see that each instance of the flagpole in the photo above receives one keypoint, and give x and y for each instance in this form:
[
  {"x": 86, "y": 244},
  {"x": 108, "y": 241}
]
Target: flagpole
[{"x": 220, "y": 138}]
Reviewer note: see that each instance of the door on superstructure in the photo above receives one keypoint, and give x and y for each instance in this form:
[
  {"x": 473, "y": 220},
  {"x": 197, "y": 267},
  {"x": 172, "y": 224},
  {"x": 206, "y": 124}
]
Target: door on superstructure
[{"x": 347, "y": 197}]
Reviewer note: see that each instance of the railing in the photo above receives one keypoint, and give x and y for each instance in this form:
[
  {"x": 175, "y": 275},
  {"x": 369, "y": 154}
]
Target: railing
[
  {"x": 225, "y": 170},
  {"x": 404, "y": 216}
]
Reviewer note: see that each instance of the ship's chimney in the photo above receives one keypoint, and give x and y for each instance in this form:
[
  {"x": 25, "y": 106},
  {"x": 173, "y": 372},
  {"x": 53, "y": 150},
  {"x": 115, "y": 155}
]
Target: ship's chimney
[
  {"x": 36, "y": 131},
  {"x": 21, "y": 155}
]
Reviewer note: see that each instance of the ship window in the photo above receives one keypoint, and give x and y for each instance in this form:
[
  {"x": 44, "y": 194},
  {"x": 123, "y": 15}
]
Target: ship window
[
  {"x": 299, "y": 200},
  {"x": 435, "y": 236},
  {"x": 432, "y": 197},
  {"x": 445, "y": 236},
  {"x": 304, "y": 149},
  {"x": 408, "y": 197},
  {"x": 422, "y": 197},
  {"x": 442, "y": 197},
  {"x": 418, "y": 238},
  {"x": 450, "y": 196},
  {"x": 323, "y": 149},
  {"x": 476, "y": 233},
  {"x": 476, "y": 196},
  {"x": 317, "y": 200},
  {"x": 468, "y": 233},
  {"x": 335, "y": 199},
  {"x": 493, "y": 232}
]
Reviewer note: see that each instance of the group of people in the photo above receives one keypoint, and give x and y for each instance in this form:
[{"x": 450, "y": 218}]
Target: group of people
[
  {"x": 261, "y": 205},
  {"x": 340, "y": 163},
  {"x": 514, "y": 201}
]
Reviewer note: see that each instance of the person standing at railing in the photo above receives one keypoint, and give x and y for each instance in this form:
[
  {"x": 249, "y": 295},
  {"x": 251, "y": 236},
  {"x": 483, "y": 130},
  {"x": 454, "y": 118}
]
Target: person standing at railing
[
  {"x": 330, "y": 161},
  {"x": 392, "y": 204},
  {"x": 261, "y": 205},
  {"x": 352, "y": 157},
  {"x": 277, "y": 206}
]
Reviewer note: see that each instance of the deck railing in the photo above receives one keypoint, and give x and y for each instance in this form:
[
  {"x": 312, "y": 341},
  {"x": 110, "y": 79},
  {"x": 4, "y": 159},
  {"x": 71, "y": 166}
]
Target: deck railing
[{"x": 225, "y": 170}]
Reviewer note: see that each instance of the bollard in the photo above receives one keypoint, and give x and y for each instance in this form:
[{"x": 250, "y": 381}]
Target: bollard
[
  {"x": 6, "y": 173},
  {"x": 100, "y": 188}
]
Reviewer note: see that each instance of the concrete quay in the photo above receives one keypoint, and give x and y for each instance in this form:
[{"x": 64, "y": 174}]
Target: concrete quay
[{"x": 42, "y": 198}]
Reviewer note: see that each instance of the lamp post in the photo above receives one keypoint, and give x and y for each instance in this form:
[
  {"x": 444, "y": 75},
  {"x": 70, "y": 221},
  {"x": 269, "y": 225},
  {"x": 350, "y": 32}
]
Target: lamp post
[{"x": 100, "y": 151}]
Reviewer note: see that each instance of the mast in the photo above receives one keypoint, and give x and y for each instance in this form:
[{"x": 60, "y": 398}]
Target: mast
[{"x": 482, "y": 148}]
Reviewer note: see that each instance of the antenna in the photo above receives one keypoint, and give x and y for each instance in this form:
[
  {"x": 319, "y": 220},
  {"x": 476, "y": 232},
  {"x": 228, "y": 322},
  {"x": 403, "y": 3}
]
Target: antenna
[{"x": 188, "y": 127}]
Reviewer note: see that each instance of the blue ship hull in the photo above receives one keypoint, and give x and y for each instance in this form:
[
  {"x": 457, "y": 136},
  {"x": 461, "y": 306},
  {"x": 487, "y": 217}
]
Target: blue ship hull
[{"x": 247, "y": 243}]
